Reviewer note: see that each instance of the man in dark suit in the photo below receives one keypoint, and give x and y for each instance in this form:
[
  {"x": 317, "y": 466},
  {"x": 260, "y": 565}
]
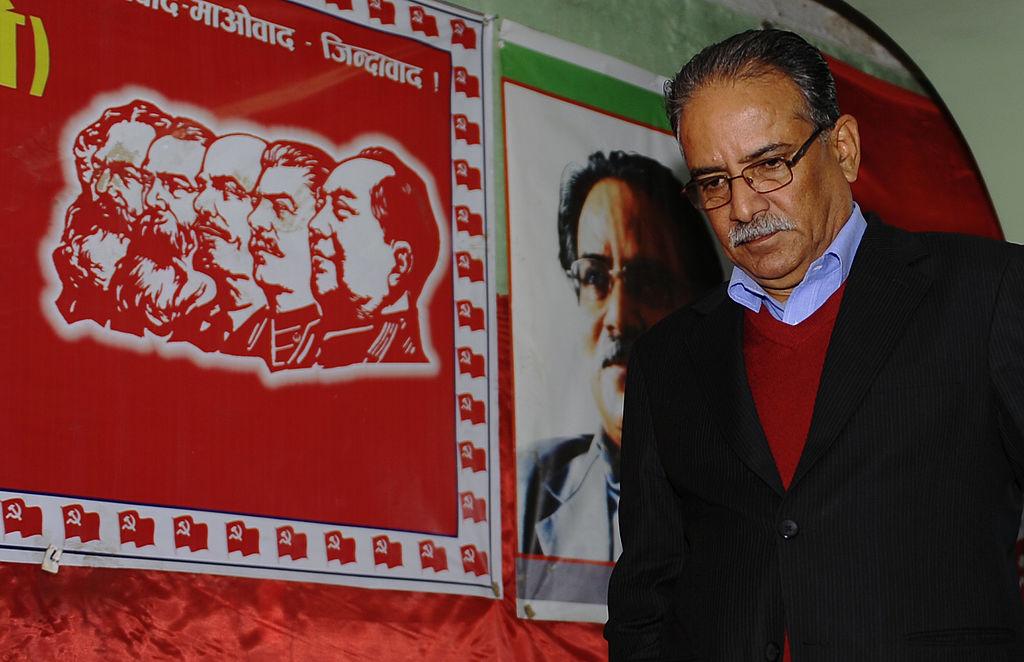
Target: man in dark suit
[{"x": 822, "y": 459}]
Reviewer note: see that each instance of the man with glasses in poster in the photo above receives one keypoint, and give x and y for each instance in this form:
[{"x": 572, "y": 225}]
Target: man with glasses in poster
[
  {"x": 634, "y": 250},
  {"x": 823, "y": 458}
]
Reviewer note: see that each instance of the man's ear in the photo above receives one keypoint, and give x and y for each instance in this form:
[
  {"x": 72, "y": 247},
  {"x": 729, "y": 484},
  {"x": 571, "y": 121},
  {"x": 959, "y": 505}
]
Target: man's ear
[
  {"x": 845, "y": 142},
  {"x": 403, "y": 262}
]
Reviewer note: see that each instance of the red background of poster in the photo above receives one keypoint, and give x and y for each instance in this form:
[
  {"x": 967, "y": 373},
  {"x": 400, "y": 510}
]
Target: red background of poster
[{"x": 89, "y": 419}]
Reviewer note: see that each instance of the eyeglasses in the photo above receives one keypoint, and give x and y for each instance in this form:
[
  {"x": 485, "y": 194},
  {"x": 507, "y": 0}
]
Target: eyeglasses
[
  {"x": 645, "y": 282},
  {"x": 764, "y": 176}
]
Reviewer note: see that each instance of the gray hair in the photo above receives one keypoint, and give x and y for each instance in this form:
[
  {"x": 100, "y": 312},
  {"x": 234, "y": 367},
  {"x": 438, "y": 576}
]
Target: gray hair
[{"x": 756, "y": 53}]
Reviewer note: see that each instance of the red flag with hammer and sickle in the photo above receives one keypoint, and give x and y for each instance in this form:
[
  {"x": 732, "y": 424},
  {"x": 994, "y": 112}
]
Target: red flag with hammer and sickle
[
  {"x": 135, "y": 529},
  {"x": 20, "y": 518}
]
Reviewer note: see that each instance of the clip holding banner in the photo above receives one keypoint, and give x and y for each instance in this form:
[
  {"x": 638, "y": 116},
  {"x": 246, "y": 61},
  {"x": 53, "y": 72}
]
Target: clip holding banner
[{"x": 51, "y": 559}]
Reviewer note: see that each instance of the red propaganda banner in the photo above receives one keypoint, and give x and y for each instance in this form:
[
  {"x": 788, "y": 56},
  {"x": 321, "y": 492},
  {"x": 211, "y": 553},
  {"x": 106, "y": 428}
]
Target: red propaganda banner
[{"x": 251, "y": 295}]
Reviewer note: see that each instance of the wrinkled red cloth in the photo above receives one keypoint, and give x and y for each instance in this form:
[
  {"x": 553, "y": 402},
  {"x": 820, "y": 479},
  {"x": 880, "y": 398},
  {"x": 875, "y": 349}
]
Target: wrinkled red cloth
[
  {"x": 916, "y": 169},
  {"x": 115, "y": 614}
]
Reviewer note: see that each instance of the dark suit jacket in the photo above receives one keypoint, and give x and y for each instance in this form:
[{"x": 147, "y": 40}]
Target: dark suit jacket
[
  {"x": 564, "y": 494},
  {"x": 894, "y": 542}
]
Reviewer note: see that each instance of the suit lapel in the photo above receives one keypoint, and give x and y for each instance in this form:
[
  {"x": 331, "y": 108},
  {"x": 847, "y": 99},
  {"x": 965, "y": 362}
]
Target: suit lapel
[
  {"x": 716, "y": 347},
  {"x": 579, "y": 527},
  {"x": 882, "y": 292}
]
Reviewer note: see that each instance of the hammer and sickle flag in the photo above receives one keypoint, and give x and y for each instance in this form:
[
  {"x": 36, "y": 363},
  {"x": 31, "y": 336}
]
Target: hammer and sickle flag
[
  {"x": 340, "y": 548},
  {"x": 22, "y": 519},
  {"x": 471, "y": 457},
  {"x": 473, "y": 560},
  {"x": 466, "y": 83},
  {"x": 386, "y": 551},
  {"x": 79, "y": 523},
  {"x": 462, "y": 34},
  {"x": 466, "y": 131},
  {"x": 469, "y": 315},
  {"x": 433, "y": 556},
  {"x": 189, "y": 533},
  {"x": 241, "y": 538},
  {"x": 469, "y": 267},
  {"x": 421, "y": 21},
  {"x": 382, "y": 10},
  {"x": 135, "y": 529},
  {"x": 473, "y": 507},
  {"x": 290, "y": 543},
  {"x": 469, "y": 222},
  {"x": 471, "y": 409},
  {"x": 466, "y": 175},
  {"x": 470, "y": 363}
]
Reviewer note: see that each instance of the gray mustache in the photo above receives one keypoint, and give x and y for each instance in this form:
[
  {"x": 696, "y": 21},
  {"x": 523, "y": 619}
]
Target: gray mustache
[{"x": 762, "y": 226}]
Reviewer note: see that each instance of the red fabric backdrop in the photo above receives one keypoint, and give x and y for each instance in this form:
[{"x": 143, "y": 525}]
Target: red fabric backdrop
[
  {"x": 99, "y": 613},
  {"x": 916, "y": 172}
]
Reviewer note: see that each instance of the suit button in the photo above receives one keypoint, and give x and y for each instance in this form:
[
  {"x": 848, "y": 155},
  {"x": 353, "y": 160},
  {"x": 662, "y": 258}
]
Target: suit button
[
  {"x": 788, "y": 528},
  {"x": 772, "y": 651}
]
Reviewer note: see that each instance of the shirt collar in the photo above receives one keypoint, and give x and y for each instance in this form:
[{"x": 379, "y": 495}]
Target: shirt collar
[{"x": 745, "y": 291}]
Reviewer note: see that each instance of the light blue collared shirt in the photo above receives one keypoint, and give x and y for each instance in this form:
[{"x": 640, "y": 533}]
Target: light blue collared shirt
[{"x": 823, "y": 277}]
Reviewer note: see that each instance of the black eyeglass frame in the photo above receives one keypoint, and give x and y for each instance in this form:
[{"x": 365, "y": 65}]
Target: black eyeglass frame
[
  {"x": 667, "y": 295},
  {"x": 693, "y": 193}
]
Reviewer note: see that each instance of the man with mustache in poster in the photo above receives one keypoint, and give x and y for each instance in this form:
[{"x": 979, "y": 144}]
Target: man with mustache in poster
[
  {"x": 634, "y": 250},
  {"x": 226, "y": 198},
  {"x": 156, "y": 285},
  {"x": 286, "y": 197}
]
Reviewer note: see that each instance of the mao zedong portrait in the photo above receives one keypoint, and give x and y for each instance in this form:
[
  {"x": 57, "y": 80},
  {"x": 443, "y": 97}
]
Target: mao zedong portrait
[
  {"x": 823, "y": 458},
  {"x": 374, "y": 242},
  {"x": 633, "y": 250}
]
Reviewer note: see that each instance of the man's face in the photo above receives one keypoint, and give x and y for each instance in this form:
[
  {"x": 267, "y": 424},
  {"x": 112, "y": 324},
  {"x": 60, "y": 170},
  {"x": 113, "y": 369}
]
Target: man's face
[
  {"x": 280, "y": 229},
  {"x": 229, "y": 175},
  {"x": 620, "y": 228},
  {"x": 171, "y": 168},
  {"x": 351, "y": 260},
  {"x": 728, "y": 125},
  {"x": 117, "y": 180}
]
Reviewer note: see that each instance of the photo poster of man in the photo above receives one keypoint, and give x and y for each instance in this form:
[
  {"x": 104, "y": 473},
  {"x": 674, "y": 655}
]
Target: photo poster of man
[
  {"x": 602, "y": 245},
  {"x": 248, "y": 292}
]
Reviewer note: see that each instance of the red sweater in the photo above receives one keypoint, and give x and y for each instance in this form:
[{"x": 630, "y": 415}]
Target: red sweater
[{"x": 783, "y": 369}]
